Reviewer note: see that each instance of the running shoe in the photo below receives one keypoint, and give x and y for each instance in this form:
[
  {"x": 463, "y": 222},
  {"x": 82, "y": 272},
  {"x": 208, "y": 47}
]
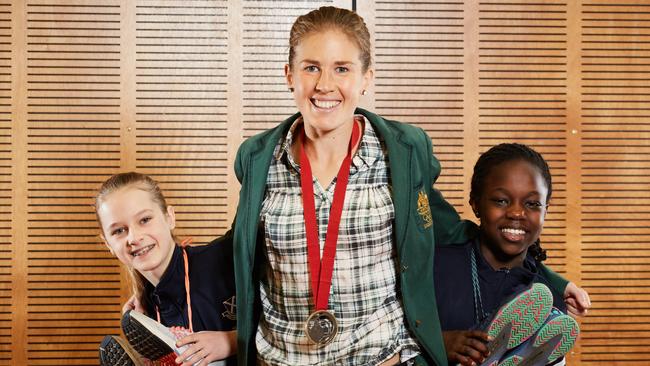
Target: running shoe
[
  {"x": 517, "y": 320},
  {"x": 154, "y": 340},
  {"x": 553, "y": 340},
  {"x": 115, "y": 351}
]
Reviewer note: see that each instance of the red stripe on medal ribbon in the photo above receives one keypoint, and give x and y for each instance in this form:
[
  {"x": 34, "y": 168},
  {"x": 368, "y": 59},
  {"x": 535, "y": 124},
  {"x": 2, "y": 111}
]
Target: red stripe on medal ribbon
[{"x": 321, "y": 270}]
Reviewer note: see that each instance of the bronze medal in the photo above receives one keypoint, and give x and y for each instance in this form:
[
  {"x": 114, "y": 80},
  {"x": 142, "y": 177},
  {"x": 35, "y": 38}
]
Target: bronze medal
[{"x": 321, "y": 327}]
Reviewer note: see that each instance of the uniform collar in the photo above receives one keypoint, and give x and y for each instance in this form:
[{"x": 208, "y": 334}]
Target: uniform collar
[
  {"x": 172, "y": 282},
  {"x": 369, "y": 151}
]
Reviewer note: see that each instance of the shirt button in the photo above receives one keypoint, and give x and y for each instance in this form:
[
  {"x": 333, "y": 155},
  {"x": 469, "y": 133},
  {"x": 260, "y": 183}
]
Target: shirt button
[{"x": 417, "y": 323}]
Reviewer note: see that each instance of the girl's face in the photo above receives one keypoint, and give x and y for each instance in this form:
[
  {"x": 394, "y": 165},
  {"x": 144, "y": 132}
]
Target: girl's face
[
  {"x": 512, "y": 208},
  {"x": 328, "y": 78},
  {"x": 137, "y": 231}
]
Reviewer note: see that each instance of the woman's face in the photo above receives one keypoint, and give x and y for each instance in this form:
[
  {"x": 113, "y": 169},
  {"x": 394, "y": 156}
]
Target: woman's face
[
  {"x": 328, "y": 78},
  {"x": 512, "y": 208},
  {"x": 137, "y": 231}
]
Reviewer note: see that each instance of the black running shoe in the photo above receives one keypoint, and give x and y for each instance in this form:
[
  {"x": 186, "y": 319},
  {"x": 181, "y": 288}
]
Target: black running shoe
[{"x": 115, "y": 351}]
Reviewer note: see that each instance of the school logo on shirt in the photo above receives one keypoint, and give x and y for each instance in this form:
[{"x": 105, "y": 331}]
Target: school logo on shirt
[
  {"x": 424, "y": 210},
  {"x": 230, "y": 305}
]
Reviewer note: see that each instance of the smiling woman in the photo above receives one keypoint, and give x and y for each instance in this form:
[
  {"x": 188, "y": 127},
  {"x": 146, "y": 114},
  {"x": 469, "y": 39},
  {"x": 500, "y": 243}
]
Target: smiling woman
[{"x": 333, "y": 202}]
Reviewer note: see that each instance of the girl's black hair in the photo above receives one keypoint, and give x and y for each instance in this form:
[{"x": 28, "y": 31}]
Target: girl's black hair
[{"x": 500, "y": 154}]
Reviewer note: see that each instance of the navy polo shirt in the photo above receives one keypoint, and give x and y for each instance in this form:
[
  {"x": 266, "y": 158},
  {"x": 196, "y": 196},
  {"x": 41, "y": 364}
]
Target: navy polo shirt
[
  {"x": 454, "y": 290},
  {"x": 212, "y": 290}
]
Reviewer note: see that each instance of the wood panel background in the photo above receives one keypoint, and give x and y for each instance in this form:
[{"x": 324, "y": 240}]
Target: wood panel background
[{"x": 171, "y": 88}]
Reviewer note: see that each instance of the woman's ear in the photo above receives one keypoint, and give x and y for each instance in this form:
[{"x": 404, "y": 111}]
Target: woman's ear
[
  {"x": 171, "y": 217},
  {"x": 475, "y": 208},
  {"x": 288, "y": 75},
  {"x": 367, "y": 78}
]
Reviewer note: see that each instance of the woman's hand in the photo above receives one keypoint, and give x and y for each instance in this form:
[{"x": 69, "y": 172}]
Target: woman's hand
[
  {"x": 133, "y": 304},
  {"x": 466, "y": 347},
  {"x": 206, "y": 347},
  {"x": 577, "y": 300}
]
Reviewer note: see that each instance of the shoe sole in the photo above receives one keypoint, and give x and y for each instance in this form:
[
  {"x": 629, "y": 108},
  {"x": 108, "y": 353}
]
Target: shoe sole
[
  {"x": 554, "y": 340},
  {"x": 153, "y": 340},
  {"x": 114, "y": 351},
  {"x": 517, "y": 321},
  {"x": 148, "y": 337}
]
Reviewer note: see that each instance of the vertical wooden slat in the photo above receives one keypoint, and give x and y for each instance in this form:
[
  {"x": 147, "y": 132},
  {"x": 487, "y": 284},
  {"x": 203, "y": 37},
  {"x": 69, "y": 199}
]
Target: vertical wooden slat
[
  {"x": 522, "y": 93},
  {"x": 419, "y": 78},
  {"x": 73, "y": 134},
  {"x": 615, "y": 178},
  {"x": 573, "y": 153},
  {"x": 18, "y": 182},
  {"x": 181, "y": 128}
]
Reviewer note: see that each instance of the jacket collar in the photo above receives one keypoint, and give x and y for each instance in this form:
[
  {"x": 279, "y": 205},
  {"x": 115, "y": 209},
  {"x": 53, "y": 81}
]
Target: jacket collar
[{"x": 399, "y": 151}]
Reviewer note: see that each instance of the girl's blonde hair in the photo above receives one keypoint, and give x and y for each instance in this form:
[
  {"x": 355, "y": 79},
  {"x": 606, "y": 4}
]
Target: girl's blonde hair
[
  {"x": 142, "y": 182},
  {"x": 331, "y": 18}
]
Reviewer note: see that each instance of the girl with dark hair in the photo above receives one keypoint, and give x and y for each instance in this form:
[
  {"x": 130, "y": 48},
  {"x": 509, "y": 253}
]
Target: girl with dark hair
[{"x": 510, "y": 191}]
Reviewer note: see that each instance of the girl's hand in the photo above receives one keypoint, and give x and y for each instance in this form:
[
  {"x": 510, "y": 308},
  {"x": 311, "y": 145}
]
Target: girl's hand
[
  {"x": 133, "y": 304},
  {"x": 206, "y": 347},
  {"x": 577, "y": 300},
  {"x": 466, "y": 347}
]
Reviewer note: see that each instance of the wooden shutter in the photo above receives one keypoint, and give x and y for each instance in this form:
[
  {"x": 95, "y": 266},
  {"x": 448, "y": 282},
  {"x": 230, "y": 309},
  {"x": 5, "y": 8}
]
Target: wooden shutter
[
  {"x": 6, "y": 184},
  {"x": 181, "y": 140},
  {"x": 522, "y": 52},
  {"x": 419, "y": 78},
  {"x": 73, "y": 142},
  {"x": 615, "y": 181}
]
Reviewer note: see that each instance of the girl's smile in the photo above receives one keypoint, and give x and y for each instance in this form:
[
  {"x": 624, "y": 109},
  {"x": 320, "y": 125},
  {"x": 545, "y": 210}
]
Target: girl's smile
[
  {"x": 137, "y": 231},
  {"x": 512, "y": 208}
]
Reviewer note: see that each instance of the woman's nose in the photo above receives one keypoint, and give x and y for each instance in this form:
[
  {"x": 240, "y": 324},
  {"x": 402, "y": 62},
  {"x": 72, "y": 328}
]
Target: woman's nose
[{"x": 324, "y": 83}]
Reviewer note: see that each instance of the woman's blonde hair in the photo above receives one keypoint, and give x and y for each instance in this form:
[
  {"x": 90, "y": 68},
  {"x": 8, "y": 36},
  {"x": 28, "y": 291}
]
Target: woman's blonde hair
[
  {"x": 331, "y": 18},
  {"x": 139, "y": 181}
]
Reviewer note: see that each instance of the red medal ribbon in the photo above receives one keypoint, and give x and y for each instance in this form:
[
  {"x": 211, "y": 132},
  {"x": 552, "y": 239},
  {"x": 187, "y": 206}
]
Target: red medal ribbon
[{"x": 321, "y": 270}]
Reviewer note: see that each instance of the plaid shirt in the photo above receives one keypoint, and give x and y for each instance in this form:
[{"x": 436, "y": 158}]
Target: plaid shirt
[{"x": 364, "y": 296}]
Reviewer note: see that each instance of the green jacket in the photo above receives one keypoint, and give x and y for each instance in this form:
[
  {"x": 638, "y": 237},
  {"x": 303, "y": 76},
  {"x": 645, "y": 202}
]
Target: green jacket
[{"x": 422, "y": 218}]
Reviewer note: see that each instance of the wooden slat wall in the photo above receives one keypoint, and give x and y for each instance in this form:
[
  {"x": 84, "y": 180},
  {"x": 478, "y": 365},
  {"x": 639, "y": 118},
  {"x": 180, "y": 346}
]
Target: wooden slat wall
[
  {"x": 419, "y": 78},
  {"x": 73, "y": 140},
  {"x": 522, "y": 92},
  {"x": 5, "y": 183},
  {"x": 181, "y": 55},
  {"x": 615, "y": 180},
  {"x": 171, "y": 87}
]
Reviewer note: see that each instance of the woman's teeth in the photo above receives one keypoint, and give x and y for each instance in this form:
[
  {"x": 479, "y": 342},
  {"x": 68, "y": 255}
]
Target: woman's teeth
[
  {"x": 325, "y": 103},
  {"x": 142, "y": 251},
  {"x": 513, "y": 231}
]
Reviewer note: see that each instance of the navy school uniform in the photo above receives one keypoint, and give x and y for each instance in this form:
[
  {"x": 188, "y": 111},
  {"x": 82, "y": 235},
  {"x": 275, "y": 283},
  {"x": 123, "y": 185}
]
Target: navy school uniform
[
  {"x": 454, "y": 291},
  {"x": 212, "y": 290}
]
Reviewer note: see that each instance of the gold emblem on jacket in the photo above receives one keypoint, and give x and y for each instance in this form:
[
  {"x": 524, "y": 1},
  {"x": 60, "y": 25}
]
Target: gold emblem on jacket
[{"x": 424, "y": 210}]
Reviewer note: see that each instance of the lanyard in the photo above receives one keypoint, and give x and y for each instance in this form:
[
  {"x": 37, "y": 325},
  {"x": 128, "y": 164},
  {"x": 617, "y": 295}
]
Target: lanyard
[
  {"x": 321, "y": 271},
  {"x": 479, "y": 314},
  {"x": 184, "y": 244}
]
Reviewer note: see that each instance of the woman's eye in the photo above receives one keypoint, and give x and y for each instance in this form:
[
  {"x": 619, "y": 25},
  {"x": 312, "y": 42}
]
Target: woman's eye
[
  {"x": 342, "y": 69},
  {"x": 145, "y": 220},
  {"x": 534, "y": 205},
  {"x": 118, "y": 231},
  {"x": 501, "y": 202},
  {"x": 311, "y": 68}
]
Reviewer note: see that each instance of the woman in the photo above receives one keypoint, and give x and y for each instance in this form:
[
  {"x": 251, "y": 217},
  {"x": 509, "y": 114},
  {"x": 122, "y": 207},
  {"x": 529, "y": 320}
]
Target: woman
[{"x": 344, "y": 181}]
